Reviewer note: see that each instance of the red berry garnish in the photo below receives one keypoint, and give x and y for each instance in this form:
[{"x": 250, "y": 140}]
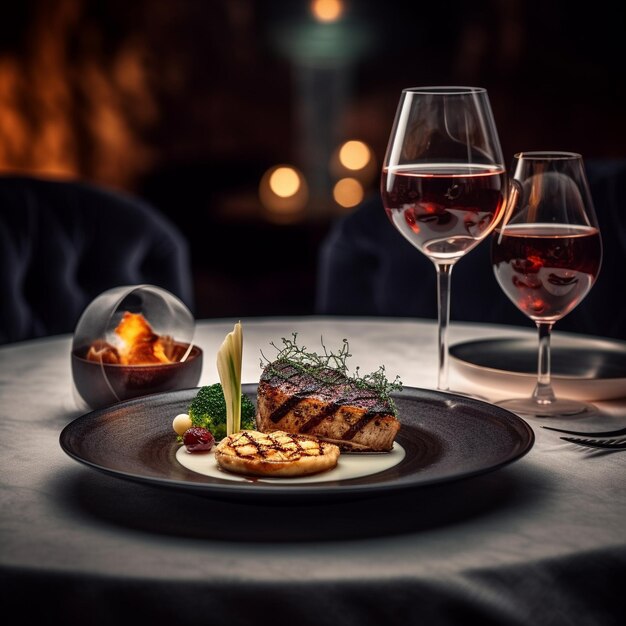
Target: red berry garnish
[{"x": 198, "y": 439}]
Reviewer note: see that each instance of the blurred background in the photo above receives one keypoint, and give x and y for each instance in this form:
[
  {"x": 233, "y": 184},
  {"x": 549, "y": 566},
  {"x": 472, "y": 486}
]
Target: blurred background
[{"x": 254, "y": 124}]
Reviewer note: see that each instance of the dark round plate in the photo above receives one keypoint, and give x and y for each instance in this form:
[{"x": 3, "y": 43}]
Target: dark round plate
[
  {"x": 586, "y": 368},
  {"x": 446, "y": 437}
]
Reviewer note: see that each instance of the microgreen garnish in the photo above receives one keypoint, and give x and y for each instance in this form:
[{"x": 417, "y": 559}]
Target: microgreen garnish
[{"x": 330, "y": 367}]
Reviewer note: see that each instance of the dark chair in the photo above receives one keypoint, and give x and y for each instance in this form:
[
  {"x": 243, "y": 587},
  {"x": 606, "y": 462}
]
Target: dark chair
[
  {"x": 366, "y": 267},
  {"x": 64, "y": 242}
]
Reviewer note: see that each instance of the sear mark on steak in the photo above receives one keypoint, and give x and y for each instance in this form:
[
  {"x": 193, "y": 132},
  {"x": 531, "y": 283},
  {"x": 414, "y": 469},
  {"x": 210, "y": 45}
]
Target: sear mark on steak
[{"x": 326, "y": 404}]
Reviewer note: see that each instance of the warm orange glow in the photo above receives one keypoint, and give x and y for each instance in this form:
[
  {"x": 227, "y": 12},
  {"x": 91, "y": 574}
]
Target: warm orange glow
[
  {"x": 284, "y": 193},
  {"x": 327, "y": 10},
  {"x": 284, "y": 182},
  {"x": 134, "y": 328},
  {"x": 348, "y": 192},
  {"x": 354, "y": 155},
  {"x": 354, "y": 159},
  {"x": 138, "y": 344},
  {"x": 64, "y": 112}
]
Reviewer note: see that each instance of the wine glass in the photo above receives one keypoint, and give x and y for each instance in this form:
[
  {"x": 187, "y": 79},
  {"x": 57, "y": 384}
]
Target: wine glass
[
  {"x": 546, "y": 256},
  {"x": 443, "y": 182}
]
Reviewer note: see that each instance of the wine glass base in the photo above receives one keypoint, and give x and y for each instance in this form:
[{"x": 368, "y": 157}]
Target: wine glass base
[{"x": 527, "y": 407}]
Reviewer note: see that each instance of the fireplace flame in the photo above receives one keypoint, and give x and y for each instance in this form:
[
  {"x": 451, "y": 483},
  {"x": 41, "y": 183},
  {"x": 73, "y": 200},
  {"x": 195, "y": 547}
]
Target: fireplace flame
[{"x": 71, "y": 107}]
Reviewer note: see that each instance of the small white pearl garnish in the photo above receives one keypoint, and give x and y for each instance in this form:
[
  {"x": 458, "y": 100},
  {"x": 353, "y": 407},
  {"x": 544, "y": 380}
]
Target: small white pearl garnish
[{"x": 181, "y": 423}]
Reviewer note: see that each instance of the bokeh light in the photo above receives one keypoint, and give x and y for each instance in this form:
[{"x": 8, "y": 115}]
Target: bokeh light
[
  {"x": 284, "y": 181},
  {"x": 284, "y": 194},
  {"x": 355, "y": 155},
  {"x": 327, "y": 10},
  {"x": 354, "y": 158},
  {"x": 348, "y": 192}
]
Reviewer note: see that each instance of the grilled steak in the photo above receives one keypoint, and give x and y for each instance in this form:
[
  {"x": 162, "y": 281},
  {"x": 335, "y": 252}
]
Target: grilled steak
[
  {"x": 275, "y": 454},
  {"x": 326, "y": 404}
]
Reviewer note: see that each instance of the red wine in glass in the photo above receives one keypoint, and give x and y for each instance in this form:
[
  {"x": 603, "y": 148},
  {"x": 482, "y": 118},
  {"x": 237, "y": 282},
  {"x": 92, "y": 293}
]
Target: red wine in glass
[
  {"x": 547, "y": 269},
  {"x": 443, "y": 210}
]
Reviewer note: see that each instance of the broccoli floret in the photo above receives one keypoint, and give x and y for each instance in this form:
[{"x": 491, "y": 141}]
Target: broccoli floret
[{"x": 208, "y": 409}]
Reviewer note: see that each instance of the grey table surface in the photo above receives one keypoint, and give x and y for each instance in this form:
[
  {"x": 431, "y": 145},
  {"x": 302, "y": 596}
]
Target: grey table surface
[{"x": 540, "y": 541}]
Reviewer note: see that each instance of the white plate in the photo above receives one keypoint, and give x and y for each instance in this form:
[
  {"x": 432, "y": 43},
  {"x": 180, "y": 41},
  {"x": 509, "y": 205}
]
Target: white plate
[{"x": 583, "y": 368}]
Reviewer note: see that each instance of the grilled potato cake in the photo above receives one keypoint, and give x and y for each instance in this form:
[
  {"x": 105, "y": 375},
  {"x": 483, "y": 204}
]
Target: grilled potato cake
[
  {"x": 275, "y": 454},
  {"x": 331, "y": 407}
]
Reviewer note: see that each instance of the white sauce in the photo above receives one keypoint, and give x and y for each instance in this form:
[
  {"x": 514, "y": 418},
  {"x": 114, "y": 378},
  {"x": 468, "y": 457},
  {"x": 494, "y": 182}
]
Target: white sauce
[{"x": 348, "y": 466}]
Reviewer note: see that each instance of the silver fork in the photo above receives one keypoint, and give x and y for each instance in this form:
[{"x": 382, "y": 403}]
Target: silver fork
[
  {"x": 606, "y": 433},
  {"x": 604, "y": 444}
]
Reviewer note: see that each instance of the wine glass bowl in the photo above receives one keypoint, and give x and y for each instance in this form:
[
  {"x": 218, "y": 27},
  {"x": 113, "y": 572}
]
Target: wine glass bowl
[
  {"x": 546, "y": 256},
  {"x": 456, "y": 209},
  {"x": 443, "y": 182}
]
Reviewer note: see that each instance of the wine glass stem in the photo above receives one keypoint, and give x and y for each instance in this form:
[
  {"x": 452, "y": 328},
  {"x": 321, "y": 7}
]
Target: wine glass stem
[
  {"x": 444, "y": 273},
  {"x": 543, "y": 393}
]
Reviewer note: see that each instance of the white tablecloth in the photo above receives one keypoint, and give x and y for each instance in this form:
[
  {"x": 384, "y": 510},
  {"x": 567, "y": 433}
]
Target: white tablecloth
[{"x": 541, "y": 541}]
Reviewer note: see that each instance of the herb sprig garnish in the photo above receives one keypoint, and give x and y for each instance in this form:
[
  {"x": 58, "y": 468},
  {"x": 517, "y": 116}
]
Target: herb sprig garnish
[{"x": 330, "y": 368}]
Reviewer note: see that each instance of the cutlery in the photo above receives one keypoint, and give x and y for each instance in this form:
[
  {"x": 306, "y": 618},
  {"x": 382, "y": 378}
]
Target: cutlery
[
  {"x": 607, "y": 433},
  {"x": 605, "y": 444}
]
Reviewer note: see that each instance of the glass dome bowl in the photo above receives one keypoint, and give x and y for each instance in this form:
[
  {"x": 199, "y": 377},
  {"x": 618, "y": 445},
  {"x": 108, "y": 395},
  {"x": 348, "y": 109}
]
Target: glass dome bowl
[{"x": 132, "y": 341}]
